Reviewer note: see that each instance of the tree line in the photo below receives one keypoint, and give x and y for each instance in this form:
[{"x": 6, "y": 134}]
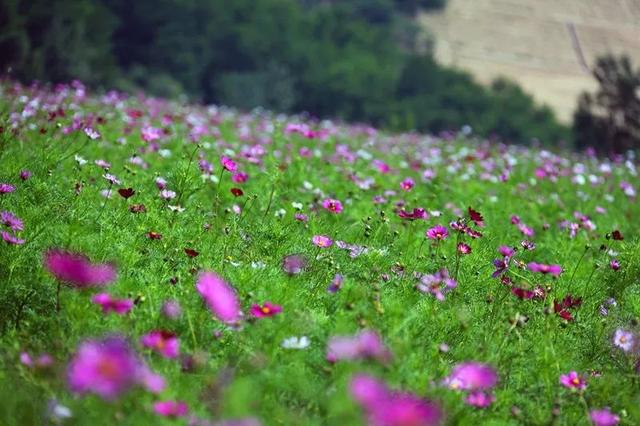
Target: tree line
[{"x": 357, "y": 60}]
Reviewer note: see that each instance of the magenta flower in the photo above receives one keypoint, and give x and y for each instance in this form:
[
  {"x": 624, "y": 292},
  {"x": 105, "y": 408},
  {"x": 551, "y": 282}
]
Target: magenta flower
[
  {"x": 219, "y": 296},
  {"x": 506, "y": 251},
  {"x": 553, "y": 270},
  {"x": 108, "y": 304},
  {"x": 108, "y": 368},
  {"x": 603, "y": 417},
  {"x": 438, "y": 232},
  {"x": 624, "y": 340},
  {"x": 407, "y": 184},
  {"x": 463, "y": 248},
  {"x": 472, "y": 376},
  {"x": 573, "y": 381},
  {"x": 228, "y": 164},
  {"x": 11, "y": 221},
  {"x": 164, "y": 342},
  {"x": 334, "y": 206},
  {"x": 614, "y": 264},
  {"x": 417, "y": 213},
  {"x": 366, "y": 344},
  {"x": 322, "y": 241},
  {"x": 385, "y": 407},
  {"x": 75, "y": 269},
  {"x": 335, "y": 284},
  {"x": 6, "y": 188},
  {"x": 161, "y": 183},
  {"x": 25, "y": 175},
  {"x": 11, "y": 239},
  {"x": 171, "y": 408},
  {"x": 267, "y": 309},
  {"x": 239, "y": 177},
  {"x": 479, "y": 399}
]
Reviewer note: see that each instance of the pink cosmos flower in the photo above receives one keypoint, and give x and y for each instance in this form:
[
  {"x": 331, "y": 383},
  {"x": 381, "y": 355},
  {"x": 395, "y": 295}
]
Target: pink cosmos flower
[
  {"x": 472, "y": 376},
  {"x": 554, "y": 270},
  {"x": 267, "y": 309},
  {"x": 25, "y": 175},
  {"x": 10, "y": 220},
  {"x": 111, "y": 179},
  {"x": 219, "y": 296},
  {"x": 167, "y": 194},
  {"x": 75, "y": 269},
  {"x": 109, "y": 304},
  {"x": 614, "y": 264},
  {"x": 438, "y": 232},
  {"x": 366, "y": 344},
  {"x": 228, "y": 164},
  {"x": 239, "y": 177},
  {"x": 603, "y": 417},
  {"x": 479, "y": 399},
  {"x": 437, "y": 284},
  {"x": 164, "y": 342},
  {"x": 385, "y": 407},
  {"x": 171, "y": 408},
  {"x": 91, "y": 133},
  {"x": 407, "y": 184},
  {"x": 334, "y": 206},
  {"x": 463, "y": 248},
  {"x": 573, "y": 381},
  {"x": 11, "y": 239},
  {"x": 161, "y": 183},
  {"x": 624, "y": 340},
  {"x": 108, "y": 368},
  {"x": 6, "y": 188},
  {"x": 336, "y": 284},
  {"x": 322, "y": 241},
  {"x": 417, "y": 213}
]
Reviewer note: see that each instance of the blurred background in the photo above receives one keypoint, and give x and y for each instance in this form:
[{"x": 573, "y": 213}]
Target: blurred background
[{"x": 561, "y": 73}]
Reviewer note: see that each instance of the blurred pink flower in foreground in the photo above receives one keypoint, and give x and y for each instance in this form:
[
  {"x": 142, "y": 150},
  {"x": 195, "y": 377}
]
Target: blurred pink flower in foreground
[
  {"x": 219, "y": 296},
  {"x": 164, "y": 342},
  {"x": 472, "y": 376},
  {"x": 385, "y": 407},
  {"x": 109, "y": 368},
  {"x": 366, "y": 344},
  {"x": 77, "y": 270},
  {"x": 170, "y": 408},
  {"x": 109, "y": 304},
  {"x": 603, "y": 417}
]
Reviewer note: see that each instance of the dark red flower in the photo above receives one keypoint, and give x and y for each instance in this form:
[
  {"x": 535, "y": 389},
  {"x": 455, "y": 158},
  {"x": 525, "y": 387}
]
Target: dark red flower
[
  {"x": 191, "y": 252},
  {"x": 126, "y": 193},
  {"x": 616, "y": 235},
  {"x": 476, "y": 217},
  {"x": 237, "y": 192},
  {"x": 154, "y": 235}
]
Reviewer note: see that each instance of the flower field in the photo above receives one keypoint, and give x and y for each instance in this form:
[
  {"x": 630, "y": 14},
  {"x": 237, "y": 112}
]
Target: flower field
[{"x": 166, "y": 263}]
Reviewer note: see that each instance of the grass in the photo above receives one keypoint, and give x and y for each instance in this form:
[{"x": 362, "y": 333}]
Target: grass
[{"x": 245, "y": 372}]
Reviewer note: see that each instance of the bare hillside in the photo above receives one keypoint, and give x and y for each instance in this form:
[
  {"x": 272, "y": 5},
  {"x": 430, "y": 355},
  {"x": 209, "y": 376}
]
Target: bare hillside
[{"x": 545, "y": 45}]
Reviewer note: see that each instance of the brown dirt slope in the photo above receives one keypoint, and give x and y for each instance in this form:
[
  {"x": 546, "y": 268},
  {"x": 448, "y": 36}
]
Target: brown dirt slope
[{"x": 538, "y": 43}]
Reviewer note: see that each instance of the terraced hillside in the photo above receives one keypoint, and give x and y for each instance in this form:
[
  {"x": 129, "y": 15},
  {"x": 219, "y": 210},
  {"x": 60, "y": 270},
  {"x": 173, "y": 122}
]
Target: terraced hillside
[{"x": 545, "y": 45}]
